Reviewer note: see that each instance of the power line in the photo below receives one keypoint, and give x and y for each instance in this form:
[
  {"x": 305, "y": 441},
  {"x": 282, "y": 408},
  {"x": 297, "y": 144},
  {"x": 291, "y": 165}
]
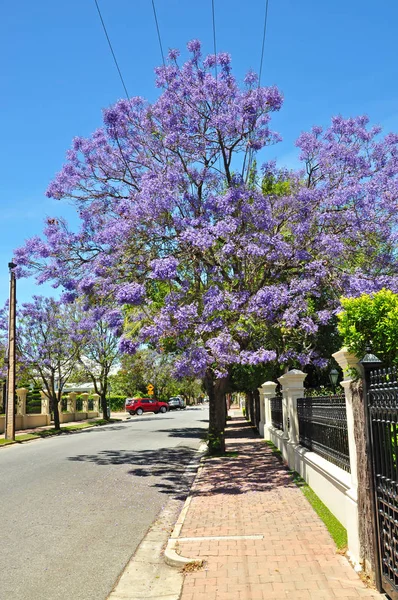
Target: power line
[
  {"x": 214, "y": 36},
  {"x": 111, "y": 49},
  {"x": 158, "y": 31},
  {"x": 213, "y": 12},
  {"x": 263, "y": 44},
  {"x": 251, "y": 151}
]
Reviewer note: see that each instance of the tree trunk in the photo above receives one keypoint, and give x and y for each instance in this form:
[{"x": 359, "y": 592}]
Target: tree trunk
[
  {"x": 256, "y": 397},
  {"x": 216, "y": 389},
  {"x": 250, "y": 405},
  {"x": 3, "y": 396},
  {"x": 104, "y": 405},
  {"x": 54, "y": 400},
  {"x": 365, "y": 501}
]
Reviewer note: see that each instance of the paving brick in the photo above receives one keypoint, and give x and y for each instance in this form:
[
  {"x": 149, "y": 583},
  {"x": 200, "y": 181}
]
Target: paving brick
[{"x": 252, "y": 494}]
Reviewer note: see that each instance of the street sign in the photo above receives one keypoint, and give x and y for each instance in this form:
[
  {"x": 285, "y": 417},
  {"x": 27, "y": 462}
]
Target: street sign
[{"x": 150, "y": 389}]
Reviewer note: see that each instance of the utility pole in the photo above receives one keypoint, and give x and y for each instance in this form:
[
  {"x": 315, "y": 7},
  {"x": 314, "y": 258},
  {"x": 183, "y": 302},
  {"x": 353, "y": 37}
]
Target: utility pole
[{"x": 10, "y": 407}]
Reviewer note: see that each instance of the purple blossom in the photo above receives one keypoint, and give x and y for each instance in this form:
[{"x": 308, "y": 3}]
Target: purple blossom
[
  {"x": 127, "y": 346},
  {"x": 193, "y": 362},
  {"x": 194, "y": 46},
  {"x": 251, "y": 78},
  {"x": 222, "y": 256},
  {"x": 224, "y": 349},
  {"x": 256, "y": 357},
  {"x": 131, "y": 293},
  {"x": 173, "y": 54},
  {"x": 114, "y": 319},
  {"x": 69, "y": 297},
  {"x": 164, "y": 268}
]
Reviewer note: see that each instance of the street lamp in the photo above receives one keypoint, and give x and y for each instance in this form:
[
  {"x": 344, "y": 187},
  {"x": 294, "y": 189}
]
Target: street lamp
[
  {"x": 10, "y": 407},
  {"x": 333, "y": 377}
]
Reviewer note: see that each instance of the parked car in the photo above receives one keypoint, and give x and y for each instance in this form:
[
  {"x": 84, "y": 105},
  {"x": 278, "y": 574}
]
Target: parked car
[
  {"x": 176, "y": 403},
  {"x": 137, "y": 406}
]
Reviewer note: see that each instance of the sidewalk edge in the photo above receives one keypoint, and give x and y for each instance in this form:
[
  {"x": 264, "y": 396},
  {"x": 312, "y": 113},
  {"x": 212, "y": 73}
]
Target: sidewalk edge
[{"x": 170, "y": 553}]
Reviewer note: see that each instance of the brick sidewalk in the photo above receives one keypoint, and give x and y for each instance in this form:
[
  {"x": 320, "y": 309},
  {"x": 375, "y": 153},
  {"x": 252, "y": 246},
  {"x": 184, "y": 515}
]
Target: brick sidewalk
[{"x": 257, "y": 533}]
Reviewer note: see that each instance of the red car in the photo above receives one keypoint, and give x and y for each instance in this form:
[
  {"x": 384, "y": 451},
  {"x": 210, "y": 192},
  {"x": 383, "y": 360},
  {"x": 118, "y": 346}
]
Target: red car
[{"x": 137, "y": 406}]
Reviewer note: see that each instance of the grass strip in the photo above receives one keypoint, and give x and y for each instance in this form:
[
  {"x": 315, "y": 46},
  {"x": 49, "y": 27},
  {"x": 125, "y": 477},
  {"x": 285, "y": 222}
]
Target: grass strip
[
  {"x": 25, "y": 437},
  {"x": 76, "y": 427},
  {"x": 73, "y": 428},
  {"x": 4, "y": 442},
  {"x": 333, "y": 525}
]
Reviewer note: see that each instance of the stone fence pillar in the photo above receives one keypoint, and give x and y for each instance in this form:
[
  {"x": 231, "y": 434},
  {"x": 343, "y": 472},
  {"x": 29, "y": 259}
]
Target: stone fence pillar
[
  {"x": 45, "y": 403},
  {"x": 292, "y": 384},
  {"x": 21, "y": 400},
  {"x": 71, "y": 402},
  {"x": 96, "y": 399},
  {"x": 347, "y": 362},
  {"x": 267, "y": 391},
  {"x": 45, "y": 406},
  {"x": 85, "y": 402}
]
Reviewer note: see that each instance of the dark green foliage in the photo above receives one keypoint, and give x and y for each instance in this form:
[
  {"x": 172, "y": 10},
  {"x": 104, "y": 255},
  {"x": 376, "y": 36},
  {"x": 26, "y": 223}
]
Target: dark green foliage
[
  {"x": 79, "y": 404},
  {"x": 117, "y": 403},
  {"x": 245, "y": 378},
  {"x": 33, "y": 401},
  {"x": 215, "y": 444}
]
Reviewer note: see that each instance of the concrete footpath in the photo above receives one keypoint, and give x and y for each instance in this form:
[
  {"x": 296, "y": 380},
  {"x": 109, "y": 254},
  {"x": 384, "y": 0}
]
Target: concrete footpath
[{"x": 257, "y": 534}]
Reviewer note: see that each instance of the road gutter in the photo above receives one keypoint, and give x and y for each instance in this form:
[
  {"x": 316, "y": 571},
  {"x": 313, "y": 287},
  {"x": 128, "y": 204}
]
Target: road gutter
[{"x": 149, "y": 575}]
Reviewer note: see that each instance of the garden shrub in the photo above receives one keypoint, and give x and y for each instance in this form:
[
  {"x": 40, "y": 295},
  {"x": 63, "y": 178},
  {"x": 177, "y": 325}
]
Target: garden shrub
[{"x": 371, "y": 319}]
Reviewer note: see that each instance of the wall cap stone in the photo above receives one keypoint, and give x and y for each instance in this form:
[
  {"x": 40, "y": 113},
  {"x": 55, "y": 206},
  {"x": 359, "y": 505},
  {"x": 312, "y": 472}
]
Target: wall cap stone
[
  {"x": 346, "y": 361},
  {"x": 293, "y": 378},
  {"x": 268, "y": 387}
]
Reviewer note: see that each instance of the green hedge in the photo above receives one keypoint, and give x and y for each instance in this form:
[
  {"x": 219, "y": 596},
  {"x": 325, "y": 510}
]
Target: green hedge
[
  {"x": 117, "y": 403},
  {"x": 33, "y": 401}
]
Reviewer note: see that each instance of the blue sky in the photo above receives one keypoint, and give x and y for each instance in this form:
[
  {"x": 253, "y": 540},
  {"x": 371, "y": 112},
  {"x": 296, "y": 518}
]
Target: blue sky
[{"x": 57, "y": 74}]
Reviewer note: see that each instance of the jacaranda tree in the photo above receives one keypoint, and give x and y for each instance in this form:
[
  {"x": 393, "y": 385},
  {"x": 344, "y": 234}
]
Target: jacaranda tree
[
  {"x": 219, "y": 263},
  {"x": 100, "y": 351},
  {"x": 48, "y": 343}
]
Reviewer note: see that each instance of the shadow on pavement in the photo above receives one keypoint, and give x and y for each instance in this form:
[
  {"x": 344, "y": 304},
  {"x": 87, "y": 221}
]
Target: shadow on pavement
[
  {"x": 252, "y": 469},
  {"x": 114, "y": 427},
  {"x": 185, "y": 432},
  {"x": 167, "y": 466},
  {"x": 249, "y": 466}
]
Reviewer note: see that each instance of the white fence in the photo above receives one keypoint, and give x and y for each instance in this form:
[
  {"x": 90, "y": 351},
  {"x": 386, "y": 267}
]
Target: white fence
[{"x": 337, "y": 488}]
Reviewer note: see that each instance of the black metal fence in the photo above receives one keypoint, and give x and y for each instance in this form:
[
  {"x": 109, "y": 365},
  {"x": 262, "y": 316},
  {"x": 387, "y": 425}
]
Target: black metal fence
[
  {"x": 277, "y": 412},
  {"x": 382, "y": 404},
  {"x": 323, "y": 428}
]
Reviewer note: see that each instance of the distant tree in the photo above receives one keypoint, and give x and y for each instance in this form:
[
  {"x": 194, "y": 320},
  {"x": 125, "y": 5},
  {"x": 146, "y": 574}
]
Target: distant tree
[
  {"x": 100, "y": 352},
  {"x": 130, "y": 377},
  {"x": 148, "y": 366},
  {"x": 48, "y": 343},
  {"x": 190, "y": 389}
]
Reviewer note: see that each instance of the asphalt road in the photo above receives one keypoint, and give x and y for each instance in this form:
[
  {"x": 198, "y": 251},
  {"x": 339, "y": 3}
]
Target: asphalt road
[{"x": 73, "y": 509}]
